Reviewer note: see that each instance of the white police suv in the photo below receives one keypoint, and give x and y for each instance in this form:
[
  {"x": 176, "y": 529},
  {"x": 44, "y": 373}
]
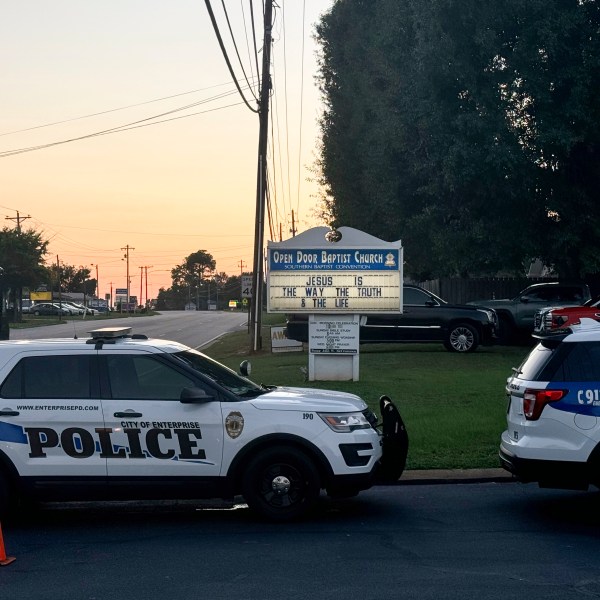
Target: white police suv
[
  {"x": 120, "y": 416},
  {"x": 553, "y": 433}
]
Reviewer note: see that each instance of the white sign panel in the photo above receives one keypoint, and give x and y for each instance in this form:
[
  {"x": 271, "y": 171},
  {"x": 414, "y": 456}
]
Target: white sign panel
[
  {"x": 281, "y": 343},
  {"x": 333, "y": 334},
  {"x": 246, "y": 286},
  {"x": 337, "y": 281}
]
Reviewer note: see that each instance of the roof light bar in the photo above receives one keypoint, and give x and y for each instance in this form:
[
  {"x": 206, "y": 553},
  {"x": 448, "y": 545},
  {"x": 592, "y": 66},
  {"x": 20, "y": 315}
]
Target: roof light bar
[{"x": 109, "y": 333}]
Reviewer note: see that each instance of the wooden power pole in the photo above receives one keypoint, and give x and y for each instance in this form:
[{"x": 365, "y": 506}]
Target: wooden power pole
[{"x": 263, "y": 113}]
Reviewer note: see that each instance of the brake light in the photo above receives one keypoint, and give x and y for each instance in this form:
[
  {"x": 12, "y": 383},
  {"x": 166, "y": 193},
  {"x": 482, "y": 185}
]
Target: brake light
[{"x": 535, "y": 400}]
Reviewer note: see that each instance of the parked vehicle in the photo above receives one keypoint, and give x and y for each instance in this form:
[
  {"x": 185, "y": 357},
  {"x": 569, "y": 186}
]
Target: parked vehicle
[
  {"x": 426, "y": 318},
  {"x": 80, "y": 308},
  {"x": 47, "y": 308},
  {"x": 553, "y": 318},
  {"x": 516, "y": 315},
  {"x": 74, "y": 310},
  {"x": 553, "y": 417},
  {"x": 26, "y": 306},
  {"x": 120, "y": 416}
]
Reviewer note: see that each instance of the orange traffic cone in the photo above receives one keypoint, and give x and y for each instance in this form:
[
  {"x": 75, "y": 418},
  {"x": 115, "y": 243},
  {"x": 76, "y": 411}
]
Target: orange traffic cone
[{"x": 4, "y": 560}]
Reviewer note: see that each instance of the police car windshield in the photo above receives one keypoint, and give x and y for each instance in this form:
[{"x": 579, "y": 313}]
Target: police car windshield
[{"x": 220, "y": 374}]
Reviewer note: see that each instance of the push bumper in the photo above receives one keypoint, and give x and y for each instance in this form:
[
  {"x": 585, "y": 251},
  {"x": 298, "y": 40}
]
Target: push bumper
[
  {"x": 394, "y": 442},
  {"x": 547, "y": 473}
]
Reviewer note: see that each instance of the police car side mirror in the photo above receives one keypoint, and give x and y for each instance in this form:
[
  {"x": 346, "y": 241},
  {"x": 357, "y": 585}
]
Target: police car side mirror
[
  {"x": 193, "y": 395},
  {"x": 245, "y": 368}
]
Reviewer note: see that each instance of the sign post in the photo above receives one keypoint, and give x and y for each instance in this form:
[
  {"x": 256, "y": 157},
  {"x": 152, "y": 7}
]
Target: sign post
[{"x": 334, "y": 276}]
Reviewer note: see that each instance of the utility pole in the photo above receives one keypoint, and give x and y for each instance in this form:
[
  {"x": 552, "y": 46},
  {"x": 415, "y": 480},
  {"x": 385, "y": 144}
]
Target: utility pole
[
  {"x": 141, "y": 284},
  {"x": 143, "y": 270},
  {"x": 126, "y": 256},
  {"x": 293, "y": 229},
  {"x": 18, "y": 220},
  {"x": 263, "y": 113},
  {"x": 97, "y": 281},
  {"x": 59, "y": 292},
  {"x": 19, "y": 291},
  {"x": 146, "y": 270}
]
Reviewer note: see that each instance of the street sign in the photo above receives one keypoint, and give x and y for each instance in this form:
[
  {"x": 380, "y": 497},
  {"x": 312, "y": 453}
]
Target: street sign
[{"x": 246, "y": 286}]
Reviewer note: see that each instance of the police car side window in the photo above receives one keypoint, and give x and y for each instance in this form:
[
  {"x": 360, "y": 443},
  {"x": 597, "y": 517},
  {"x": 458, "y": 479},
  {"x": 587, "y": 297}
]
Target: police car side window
[
  {"x": 581, "y": 363},
  {"x": 143, "y": 377},
  {"x": 62, "y": 376}
]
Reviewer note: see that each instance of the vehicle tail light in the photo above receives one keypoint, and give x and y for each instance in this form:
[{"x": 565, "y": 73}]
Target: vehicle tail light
[{"x": 535, "y": 400}]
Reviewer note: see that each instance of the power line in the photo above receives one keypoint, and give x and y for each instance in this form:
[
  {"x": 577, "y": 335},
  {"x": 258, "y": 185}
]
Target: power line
[
  {"x": 247, "y": 44},
  {"x": 224, "y": 52},
  {"x": 118, "y": 129},
  {"x": 254, "y": 40},
  {"x": 111, "y": 110},
  {"x": 285, "y": 103},
  {"x": 301, "y": 104},
  {"x": 236, "y": 49}
]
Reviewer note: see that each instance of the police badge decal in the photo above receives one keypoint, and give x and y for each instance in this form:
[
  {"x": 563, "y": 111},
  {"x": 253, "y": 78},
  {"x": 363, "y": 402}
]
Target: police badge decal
[{"x": 234, "y": 424}]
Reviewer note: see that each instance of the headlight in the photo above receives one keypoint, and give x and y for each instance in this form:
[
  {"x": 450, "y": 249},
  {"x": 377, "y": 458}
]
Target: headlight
[
  {"x": 489, "y": 313},
  {"x": 345, "y": 422}
]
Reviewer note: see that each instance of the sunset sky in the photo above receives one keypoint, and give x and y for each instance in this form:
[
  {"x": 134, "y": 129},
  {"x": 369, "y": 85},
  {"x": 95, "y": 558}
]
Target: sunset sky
[{"x": 74, "y": 68}]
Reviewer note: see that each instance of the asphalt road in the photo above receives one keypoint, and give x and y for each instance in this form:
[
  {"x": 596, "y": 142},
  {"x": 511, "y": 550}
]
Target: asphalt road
[
  {"x": 193, "y": 328},
  {"x": 448, "y": 541}
]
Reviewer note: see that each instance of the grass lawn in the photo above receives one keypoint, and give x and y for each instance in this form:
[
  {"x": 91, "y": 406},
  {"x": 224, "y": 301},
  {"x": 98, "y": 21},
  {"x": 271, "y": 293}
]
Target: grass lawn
[{"x": 454, "y": 405}]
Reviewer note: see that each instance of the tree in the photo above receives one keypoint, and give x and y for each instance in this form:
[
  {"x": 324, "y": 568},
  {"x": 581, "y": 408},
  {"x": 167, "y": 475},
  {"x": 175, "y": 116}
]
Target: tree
[
  {"x": 73, "y": 279},
  {"x": 193, "y": 270},
  {"x": 191, "y": 282},
  {"x": 468, "y": 129},
  {"x": 22, "y": 261}
]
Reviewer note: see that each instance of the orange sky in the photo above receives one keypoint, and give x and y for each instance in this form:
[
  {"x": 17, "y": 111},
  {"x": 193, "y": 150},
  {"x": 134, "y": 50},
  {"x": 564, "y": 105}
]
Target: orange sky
[{"x": 165, "y": 190}]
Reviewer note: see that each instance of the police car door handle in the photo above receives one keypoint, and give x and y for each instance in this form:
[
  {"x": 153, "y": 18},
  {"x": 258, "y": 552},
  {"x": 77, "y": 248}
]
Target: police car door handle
[
  {"x": 127, "y": 413},
  {"x": 9, "y": 412}
]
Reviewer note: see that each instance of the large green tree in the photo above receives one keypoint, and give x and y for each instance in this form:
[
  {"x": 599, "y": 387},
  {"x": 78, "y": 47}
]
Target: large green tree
[
  {"x": 191, "y": 282},
  {"x": 468, "y": 129},
  {"x": 193, "y": 270},
  {"x": 22, "y": 262},
  {"x": 73, "y": 279}
]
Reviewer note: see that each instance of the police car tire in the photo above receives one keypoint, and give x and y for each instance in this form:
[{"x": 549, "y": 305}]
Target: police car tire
[
  {"x": 462, "y": 337},
  {"x": 288, "y": 468}
]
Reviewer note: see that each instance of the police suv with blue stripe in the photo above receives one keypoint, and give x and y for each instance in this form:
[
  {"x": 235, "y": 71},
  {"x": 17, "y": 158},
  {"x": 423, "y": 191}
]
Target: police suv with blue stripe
[
  {"x": 121, "y": 416},
  {"x": 553, "y": 433}
]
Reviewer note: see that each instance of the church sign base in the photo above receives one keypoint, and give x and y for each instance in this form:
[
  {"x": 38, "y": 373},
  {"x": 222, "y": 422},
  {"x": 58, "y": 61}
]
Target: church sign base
[{"x": 333, "y": 343}]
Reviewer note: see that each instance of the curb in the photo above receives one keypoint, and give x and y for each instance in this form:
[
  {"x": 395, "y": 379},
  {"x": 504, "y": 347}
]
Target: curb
[{"x": 437, "y": 476}]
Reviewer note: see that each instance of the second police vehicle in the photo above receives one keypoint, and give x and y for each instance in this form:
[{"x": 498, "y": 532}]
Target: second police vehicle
[{"x": 553, "y": 417}]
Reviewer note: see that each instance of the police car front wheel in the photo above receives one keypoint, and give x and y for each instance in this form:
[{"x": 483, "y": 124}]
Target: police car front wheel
[{"x": 281, "y": 483}]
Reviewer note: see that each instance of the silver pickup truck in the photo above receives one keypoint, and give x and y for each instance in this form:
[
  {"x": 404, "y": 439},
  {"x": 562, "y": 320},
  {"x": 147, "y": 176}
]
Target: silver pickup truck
[{"x": 516, "y": 315}]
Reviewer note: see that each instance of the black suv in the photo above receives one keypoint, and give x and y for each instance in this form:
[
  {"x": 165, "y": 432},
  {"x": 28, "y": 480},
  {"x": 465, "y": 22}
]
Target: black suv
[{"x": 426, "y": 318}]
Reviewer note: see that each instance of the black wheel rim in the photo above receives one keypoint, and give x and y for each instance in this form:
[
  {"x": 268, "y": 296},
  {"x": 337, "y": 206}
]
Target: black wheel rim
[{"x": 282, "y": 486}]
